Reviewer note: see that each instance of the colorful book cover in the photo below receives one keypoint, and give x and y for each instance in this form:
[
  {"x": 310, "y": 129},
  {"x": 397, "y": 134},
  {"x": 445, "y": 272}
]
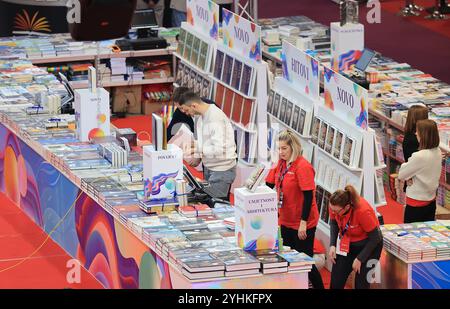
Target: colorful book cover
[
  {"x": 246, "y": 83},
  {"x": 219, "y": 99},
  {"x": 228, "y": 102},
  {"x": 248, "y": 112}
]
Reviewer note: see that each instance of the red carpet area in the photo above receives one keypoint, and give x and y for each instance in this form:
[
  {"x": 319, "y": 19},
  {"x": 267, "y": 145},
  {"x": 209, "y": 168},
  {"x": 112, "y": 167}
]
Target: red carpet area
[
  {"x": 439, "y": 26},
  {"x": 19, "y": 237}
]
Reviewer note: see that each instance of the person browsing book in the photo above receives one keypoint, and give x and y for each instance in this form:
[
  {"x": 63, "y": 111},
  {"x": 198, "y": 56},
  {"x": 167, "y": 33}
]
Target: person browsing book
[
  {"x": 410, "y": 143},
  {"x": 181, "y": 116},
  {"x": 293, "y": 178},
  {"x": 422, "y": 173},
  {"x": 215, "y": 146},
  {"x": 355, "y": 238}
]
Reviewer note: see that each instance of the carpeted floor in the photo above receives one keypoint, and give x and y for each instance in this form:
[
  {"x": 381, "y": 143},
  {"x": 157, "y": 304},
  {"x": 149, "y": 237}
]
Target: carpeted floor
[{"x": 47, "y": 269}]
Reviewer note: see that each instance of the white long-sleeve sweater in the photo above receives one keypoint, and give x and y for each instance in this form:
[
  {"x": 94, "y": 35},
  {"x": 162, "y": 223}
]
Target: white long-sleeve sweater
[
  {"x": 215, "y": 140},
  {"x": 424, "y": 168}
]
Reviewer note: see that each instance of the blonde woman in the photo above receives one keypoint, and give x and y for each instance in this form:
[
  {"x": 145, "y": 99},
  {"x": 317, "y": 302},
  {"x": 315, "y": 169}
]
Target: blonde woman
[{"x": 293, "y": 178}]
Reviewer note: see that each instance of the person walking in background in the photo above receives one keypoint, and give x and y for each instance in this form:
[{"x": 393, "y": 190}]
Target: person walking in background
[
  {"x": 422, "y": 173},
  {"x": 410, "y": 143},
  {"x": 355, "y": 238},
  {"x": 293, "y": 178},
  {"x": 157, "y": 5},
  {"x": 178, "y": 12}
]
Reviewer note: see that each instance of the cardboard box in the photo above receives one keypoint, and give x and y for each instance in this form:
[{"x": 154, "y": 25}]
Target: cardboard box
[
  {"x": 256, "y": 218},
  {"x": 127, "y": 99}
]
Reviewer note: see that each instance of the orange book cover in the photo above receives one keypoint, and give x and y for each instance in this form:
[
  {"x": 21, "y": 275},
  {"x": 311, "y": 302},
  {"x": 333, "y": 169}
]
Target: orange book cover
[
  {"x": 247, "y": 112},
  {"x": 228, "y": 102},
  {"x": 237, "y": 108}
]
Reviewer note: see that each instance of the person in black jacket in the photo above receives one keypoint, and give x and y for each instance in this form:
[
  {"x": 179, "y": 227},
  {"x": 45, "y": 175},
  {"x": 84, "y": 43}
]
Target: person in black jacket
[
  {"x": 410, "y": 143},
  {"x": 180, "y": 116}
]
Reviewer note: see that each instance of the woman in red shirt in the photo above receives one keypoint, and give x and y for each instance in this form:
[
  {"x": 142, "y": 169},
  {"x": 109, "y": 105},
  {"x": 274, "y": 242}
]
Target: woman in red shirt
[
  {"x": 355, "y": 238},
  {"x": 293, "y": 178}
]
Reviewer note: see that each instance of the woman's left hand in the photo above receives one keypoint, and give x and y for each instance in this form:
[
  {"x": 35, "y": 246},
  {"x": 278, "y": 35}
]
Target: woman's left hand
[
  {"x": 302, "y": 230},
  {"x": 357, "y": 266}
]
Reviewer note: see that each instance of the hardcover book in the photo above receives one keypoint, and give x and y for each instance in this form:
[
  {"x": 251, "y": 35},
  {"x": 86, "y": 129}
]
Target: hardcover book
[
  {"x": 218, "y": 65},
  {"x": 323, "y": 135},
  {"x": 338, "y": 145},
  {"x": 276, "y": 105},
  {"x": 347, "y": 156},
  {"x": 330, "y": 139},
  {"x": 227, "y": 70},
  {"x": 237, "y": 73},
  {"x": 288, "y": 117},
  {"x": 246, "y": 83},
  {"x": 315, "y": 130}
]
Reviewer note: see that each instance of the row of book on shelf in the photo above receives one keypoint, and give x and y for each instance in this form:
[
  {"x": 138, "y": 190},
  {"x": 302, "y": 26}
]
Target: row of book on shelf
[
  {"x": 235, "y": 73},
  {"x": 193, "y": 49},
  {"x": 189, "y": 77}
]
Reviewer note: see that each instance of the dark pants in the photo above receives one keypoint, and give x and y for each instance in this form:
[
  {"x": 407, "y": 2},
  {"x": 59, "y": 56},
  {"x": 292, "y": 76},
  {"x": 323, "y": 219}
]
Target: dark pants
[
  {"x": 290, "y": 238},
  {"x": 344, "y": 266},
  {"x": 420, "y": 214}
]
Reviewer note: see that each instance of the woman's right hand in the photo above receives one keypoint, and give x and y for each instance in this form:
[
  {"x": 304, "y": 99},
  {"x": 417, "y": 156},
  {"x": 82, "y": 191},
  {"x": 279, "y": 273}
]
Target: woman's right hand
[{"x": 332, "y": 254}]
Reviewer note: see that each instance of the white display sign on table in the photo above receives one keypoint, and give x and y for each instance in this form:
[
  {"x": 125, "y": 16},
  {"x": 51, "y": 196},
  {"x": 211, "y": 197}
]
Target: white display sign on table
[
  {"x": 204, "y": 16},
  {"x": 347, "y": 44},
  {"x": 346, "y": 98},
  {"x": 300, "y": 69},
  {"x": 241, "y": 35},
  {"x": 256, "y": 218}
]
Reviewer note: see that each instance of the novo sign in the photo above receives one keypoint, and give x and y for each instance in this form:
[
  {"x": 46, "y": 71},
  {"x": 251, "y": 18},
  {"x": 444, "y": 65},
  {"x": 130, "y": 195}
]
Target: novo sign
[
  {"x": 202, "y": 13},
  {"x": 345, "y": 97},
  {"x": 241, "y": 35}
]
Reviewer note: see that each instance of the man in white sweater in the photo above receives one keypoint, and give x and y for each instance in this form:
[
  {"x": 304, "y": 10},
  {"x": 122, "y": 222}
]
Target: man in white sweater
[{"x": 215, "y": 146}]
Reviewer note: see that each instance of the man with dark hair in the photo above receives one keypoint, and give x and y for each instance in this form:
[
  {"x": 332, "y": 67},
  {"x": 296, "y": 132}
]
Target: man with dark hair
[
  {"x": 180, "y": 116},
  {"x": 215, "y": 146}
]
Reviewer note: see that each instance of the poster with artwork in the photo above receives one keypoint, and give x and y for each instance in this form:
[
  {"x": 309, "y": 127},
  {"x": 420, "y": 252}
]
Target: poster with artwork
[
  {"x": 241, "y": 35},
  {"x": 346, "y": 98},
  {"x": 301, "y": 70},
  {"x": 203, "y": 15}
]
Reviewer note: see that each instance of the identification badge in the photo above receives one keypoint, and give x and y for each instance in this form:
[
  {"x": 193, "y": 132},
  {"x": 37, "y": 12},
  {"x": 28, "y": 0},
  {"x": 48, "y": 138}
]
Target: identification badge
[
  {"x": 280, "y": 200},
  {"x": 343, "y": 245}
]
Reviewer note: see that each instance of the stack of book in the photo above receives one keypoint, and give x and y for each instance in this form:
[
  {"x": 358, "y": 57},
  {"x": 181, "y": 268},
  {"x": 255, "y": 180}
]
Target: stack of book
[
  {"x": 271, "y": 262},
  {"x": 78, "y": 72},
  {"x": 238, "y": 263},
  {"x": 418, "y": 241},
  {"x": 118, "y": 69},
  {"x": 298, "y": 261},
  {"x": 195, "y": 210}
]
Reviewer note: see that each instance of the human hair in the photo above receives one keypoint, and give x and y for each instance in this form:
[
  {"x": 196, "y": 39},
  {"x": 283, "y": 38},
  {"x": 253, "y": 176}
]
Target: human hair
[
  {"x": 178, "y": 93},
  {"x": 415, "y": 113},
  {"x": 428, "y": 134},
  {"x": 292, "y": 141},
  {"x": 189, "y": 97},
  {"x": 344, "y": 197}
]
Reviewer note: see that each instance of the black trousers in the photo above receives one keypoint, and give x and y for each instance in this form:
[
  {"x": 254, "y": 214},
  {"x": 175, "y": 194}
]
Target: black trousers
[
  {"x": 420, "y": 214},
  {"x": 344, "y": 266},
  {"x": 290, "y": 238}
]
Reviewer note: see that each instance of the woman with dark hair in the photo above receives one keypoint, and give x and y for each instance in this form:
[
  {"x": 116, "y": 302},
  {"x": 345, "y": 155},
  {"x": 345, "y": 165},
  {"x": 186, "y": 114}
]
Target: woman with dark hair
[
  {"x": 422, "y": 173},
  {"x": 355, "y": 238},
  {"x": 410, "y": 143}
]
